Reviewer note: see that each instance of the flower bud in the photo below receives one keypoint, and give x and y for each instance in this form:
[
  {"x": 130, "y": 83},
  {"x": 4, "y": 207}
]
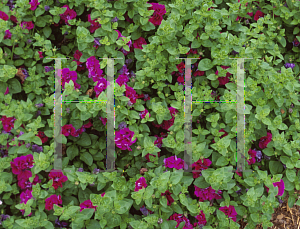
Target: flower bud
[
  {"x": 139, "y": 148},
  {"x": 160, "y": 220},
  {"x": 291, "y": 110},
  {"x": 76, "y": 183}
]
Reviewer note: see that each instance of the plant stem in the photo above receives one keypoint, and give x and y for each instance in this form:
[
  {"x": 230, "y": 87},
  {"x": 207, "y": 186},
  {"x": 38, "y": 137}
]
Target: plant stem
[{"x": 12, "y": 51}]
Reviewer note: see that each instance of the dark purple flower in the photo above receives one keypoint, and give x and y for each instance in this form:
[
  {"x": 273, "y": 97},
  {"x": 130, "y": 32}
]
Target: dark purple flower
[
  {"x": 290, "y": 110},
  {"x": 39, "y": 105},
  {"x": 28, "y": 145},
  {"x": 96, "y": 41},
  {"x": 48, "y": 69},
  {"x": 280, "y": 201},
  {"x": 80, "y": 170},
  {"x": 267, "y": 157},
  {"x": 115, "y": 19},
  {"x": 47, "y": 8},
  {"x": 289, "y": 65},
  {"x": 96, "y": 171},
  {"x": 234, "y": 52},
  {"x": 239, "y": 191},
  {"x": 129, "y": 104},
  {"x": 296, "y": 43},
  {"x": 258, "y": 155},
  {"x": 36, "y": 148},
  {"x": 29, "y": 41},
  {"x": 122, "y": 125},
  {"x": 38, "y": 113},
  {"x": 128, "y": 61}
]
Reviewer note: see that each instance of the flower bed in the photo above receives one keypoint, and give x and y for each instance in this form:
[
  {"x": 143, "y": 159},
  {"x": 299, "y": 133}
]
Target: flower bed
[{"x": 154, "y": 190}]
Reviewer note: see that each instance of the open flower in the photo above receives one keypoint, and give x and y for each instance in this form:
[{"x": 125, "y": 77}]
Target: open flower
[
  {"x": 201, "y": 164},
  {"x": 174, "y": 162},
  {"x": 50, "y": 201},
  {"x": 140, "y": 183},
  {"x": 264, "y": 141},
  {"x": 34, "y": 4},
  {"x": 123, "y": 139},
  {"x": 159, "y": 11},
  {"x": 3, "y": 16},
  {"x": 229, "y": 211},
  {"x": 280, "y": 186},
  {"x": 258, "y": 15},
  {"x": 58, "y": 179},
  {"x": 87, "y": 204},
  {"x": 170, "y": 199}
]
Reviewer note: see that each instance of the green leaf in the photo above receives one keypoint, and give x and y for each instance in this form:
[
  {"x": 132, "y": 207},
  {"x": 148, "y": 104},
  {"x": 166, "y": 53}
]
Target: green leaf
[
  {"x": 72, "y": 152},
  {"x": 222, "y": 161},
  {"x": 26, "y": 136},
  {"x": 14, "y": 86},
  {"x": 122, "y": 206},
  {"x": 106, "y": 26},
  {"x": 19, "y": 51},
  {"x": 205, "y": 65},
  {"x": 281, "y": 40},
  {"x": 275, "y": 167},
  {"x": 39, "y": 11},
  {"x": 291, "y": 175},
  {"x": 47, "y": 31},
  {"x": 84, "y": 140},
  {"x": 176, "y": 177},
  {"x": 87, "y": 158}
]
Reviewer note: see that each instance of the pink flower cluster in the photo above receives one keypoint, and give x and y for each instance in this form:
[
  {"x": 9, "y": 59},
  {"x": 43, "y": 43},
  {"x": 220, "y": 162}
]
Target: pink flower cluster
[
  {"x": 50, "y": 201},
  {"x": 207, "y": 193},
  {"x": 34, "y": 4},
  {"x": 280, "y": 186},
  {"x": 129, "y": 44},
  {"x": 7, "y": 34},
  {"x": 174, "y": 162},
  {"x": 96, "y": 73},
  {"x": 181, "y": 218},
  {"x": 139, "y": 42},
  {"x": 252, "y": 160},
  {"x": 140, "y": 183},
  {"x": 69, "y": 129},
  {"x": 20, "y": 167},
  {"x": 224, "y": 80},
  {"x": 143, "y": 114},
  {"x": 58, "y": 179},
  {"x": 170, "y": 199},
  {"x": 27, "y": 25},
  {"x": 201, "y": 164},
  {"x": 69, "y": 14},
  {"x": 3, "y": 16},
  {"x": 229, "y": 211},
  {"x": 264, "y": 141},
  {"x": 67, "y": 76},
  {"x": 25, "y": 196},
  {"x": 80, "y": 65},
  {"x": 123, "y": 139},
  {"x": 159, "y": 11},
  {"x": 8, "y": 123},
  {"x": 167, "y": 123},
  {"x": 94, "y": 24},
  {"x": 87, "y": 204}
]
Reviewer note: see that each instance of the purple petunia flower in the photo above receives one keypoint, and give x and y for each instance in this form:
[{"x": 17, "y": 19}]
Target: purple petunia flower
[
  {"x": 122, "y": 125},
  {"x": 48, "y": 69},
  {"x": 80, "y": 170},
  {"x": 38, "y": 113},
  {"x": 96, "y": 171},
  {"x": 47, "y": 8},
  {"x": 28, "y": 145},
  {"x": 96, "y": 41},
  {"x": 289, "y": 65},
  {"x": 296, "y": 43},
  {"x": 128, "y": 61},
  {"x": 39, "y": 105},
  {"x": 115, "y": 19},
  {"x": 36, "y": 148},
  {"x": 234, "y": 53}
]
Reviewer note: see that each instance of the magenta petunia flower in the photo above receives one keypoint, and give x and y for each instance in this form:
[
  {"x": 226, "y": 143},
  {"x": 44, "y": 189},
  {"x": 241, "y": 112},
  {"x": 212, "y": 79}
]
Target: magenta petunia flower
[
  {"x": 139, "y": 42},
  {"x": 229, "y": 211},
  {"x": 223, "y": 80},
  {"x": 93, "y": 66},
  {"x": 67, "y": 76},
  {"x": 169, "y": 197},
  {"x": 3, "y": 16},
  {"x": 207, "y": 193},
  {"x": 174, "y": 162},
  {"x": 201, "y": 219},
  {"x": 201, "y": 164},
  {"x": 34, "y": 4},
  {"x": 101, "y": 86},
  {"x": 157, "y": 16},
  {"x": 50, "y": 201},
  {"x": 8, "y": 123},
  {"x": 122, "y": 79},
  {"x": 20, "y": 164},
  {"x": 40, "y": 54},
  {"x": 264, "y": 141},
  {"x": 27, "y": 25},
  {"x": 280, "y": 186},
  {"x": 7, "y": 34},
  {"x": 69, "y": 129},
  {"x": 140, "y": 183},
  {"x": 143, "y": 114},
  {"x": 252, "y": 160},
  {"x": 258, "y": 15},
  {"x": 87, "y": 204},
  {"x": 181, "y": 218},
  {"x": 7, "y": 91},
  {"x": 103, "y": 120},
  {"x": 94, "y": 24},
  {"x": 25, "y": 196},
  {"x": 123, "y": 139},
  {"x": 69, "y": 14},
  {"x": 58, "y": 179},
  {"x": 131, "y": 94}
]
